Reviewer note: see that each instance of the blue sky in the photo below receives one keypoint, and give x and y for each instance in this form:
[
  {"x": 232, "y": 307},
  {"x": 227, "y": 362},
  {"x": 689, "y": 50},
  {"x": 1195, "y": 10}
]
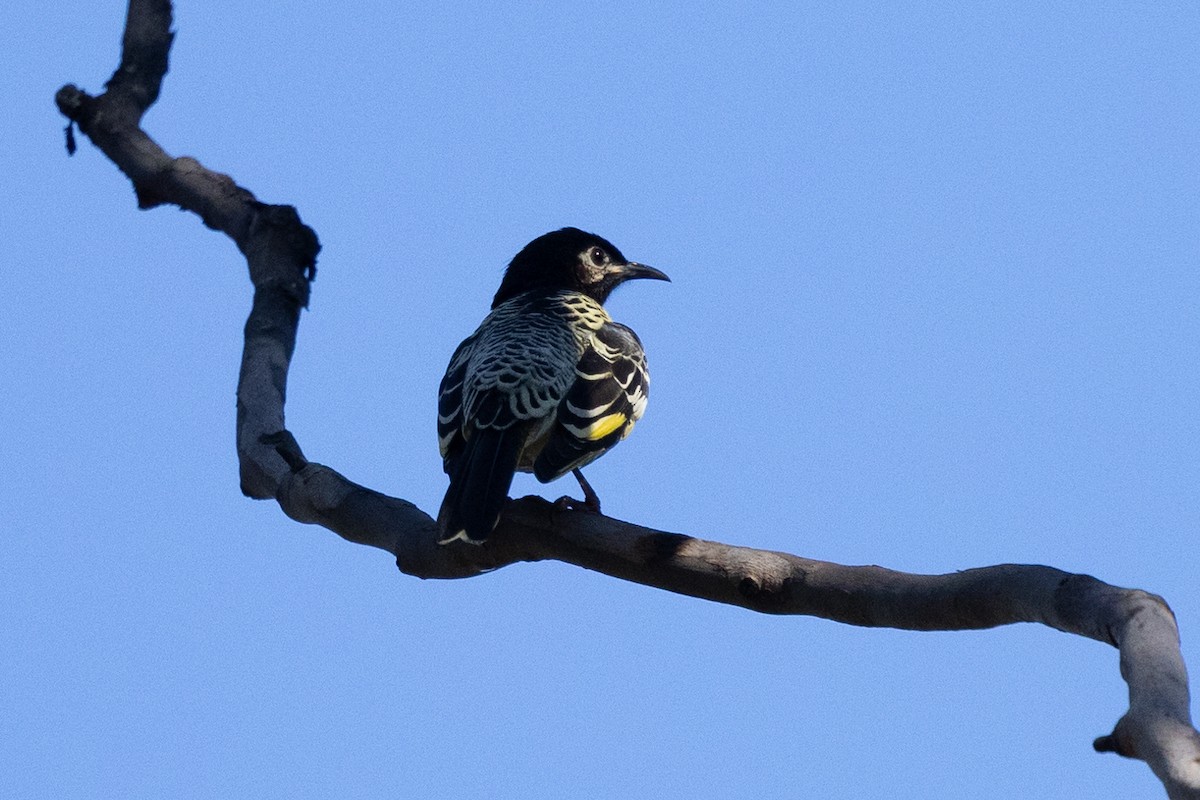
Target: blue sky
[{"x": 934, "y": 307}]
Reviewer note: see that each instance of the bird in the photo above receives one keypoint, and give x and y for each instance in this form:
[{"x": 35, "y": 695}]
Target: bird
[{"x": 546, "y": 384}]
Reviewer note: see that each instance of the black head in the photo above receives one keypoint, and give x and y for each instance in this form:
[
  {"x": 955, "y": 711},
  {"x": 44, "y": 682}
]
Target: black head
[{"x": 570, "y": 259}]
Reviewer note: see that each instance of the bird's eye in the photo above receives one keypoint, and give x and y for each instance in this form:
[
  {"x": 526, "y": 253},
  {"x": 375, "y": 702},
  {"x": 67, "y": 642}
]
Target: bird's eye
[{"x": 598, "y": 256}]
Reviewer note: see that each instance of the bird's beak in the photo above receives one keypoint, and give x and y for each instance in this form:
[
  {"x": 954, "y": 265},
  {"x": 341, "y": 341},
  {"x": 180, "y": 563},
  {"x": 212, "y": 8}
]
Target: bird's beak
[{"x": 634, "y": 270}]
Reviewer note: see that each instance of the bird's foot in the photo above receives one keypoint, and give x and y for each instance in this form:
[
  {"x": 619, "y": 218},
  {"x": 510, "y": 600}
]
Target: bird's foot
[
  {"x": 590, "y": 501},
  {"x": 568, "y": 503}
]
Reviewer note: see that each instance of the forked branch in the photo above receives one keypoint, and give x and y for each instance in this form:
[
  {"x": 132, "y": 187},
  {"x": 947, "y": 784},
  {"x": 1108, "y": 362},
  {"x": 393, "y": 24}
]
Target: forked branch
[{"x": 281, "y": 253}]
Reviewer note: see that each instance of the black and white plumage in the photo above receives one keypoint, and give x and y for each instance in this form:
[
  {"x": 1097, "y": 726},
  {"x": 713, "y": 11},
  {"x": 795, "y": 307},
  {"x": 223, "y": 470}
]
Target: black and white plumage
[{"x": 547, "y": 384}]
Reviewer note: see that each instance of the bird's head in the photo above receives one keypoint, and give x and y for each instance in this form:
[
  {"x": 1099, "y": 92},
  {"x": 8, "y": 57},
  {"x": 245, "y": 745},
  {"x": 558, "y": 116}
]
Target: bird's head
[{"x": 571, "y": 259}]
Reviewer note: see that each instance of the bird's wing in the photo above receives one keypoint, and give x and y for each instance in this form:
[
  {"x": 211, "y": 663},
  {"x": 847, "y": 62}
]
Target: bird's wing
[
  {"x": 517, "y": 366},
  {"x": 501, "y": 390},
  {"x": 450, "y": 401},
  {"x": 607, "y": 397},
  {"x": 520, "y": 367}
]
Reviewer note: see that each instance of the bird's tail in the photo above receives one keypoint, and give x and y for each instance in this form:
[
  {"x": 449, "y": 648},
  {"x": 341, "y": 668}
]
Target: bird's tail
[{"x": 479, "y": 481}]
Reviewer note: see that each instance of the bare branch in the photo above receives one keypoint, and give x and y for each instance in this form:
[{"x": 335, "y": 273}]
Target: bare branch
[
  {"x": 281, "y": 253},
  {"x": 280, "y": 250}
]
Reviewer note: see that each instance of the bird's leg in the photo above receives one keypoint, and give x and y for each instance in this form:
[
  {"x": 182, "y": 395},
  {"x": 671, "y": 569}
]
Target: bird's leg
[{"x": 591, "y": 500}]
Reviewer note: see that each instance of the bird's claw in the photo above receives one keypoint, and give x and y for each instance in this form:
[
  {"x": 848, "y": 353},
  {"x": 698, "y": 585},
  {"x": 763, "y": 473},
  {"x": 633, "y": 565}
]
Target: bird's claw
[{"x": 568, "y": 503}]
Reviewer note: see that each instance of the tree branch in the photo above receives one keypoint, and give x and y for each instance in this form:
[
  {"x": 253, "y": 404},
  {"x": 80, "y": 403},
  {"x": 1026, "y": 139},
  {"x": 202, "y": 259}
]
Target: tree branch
[{"x": 281, "y": 253}]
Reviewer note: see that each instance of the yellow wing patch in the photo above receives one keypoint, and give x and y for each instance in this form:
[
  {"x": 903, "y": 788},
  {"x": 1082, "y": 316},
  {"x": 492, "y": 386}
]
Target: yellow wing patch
[{"x": 601, "y": 427}]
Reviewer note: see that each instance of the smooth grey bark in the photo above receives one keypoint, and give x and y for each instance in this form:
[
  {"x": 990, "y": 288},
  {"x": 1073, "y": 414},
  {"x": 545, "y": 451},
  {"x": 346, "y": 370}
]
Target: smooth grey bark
[{"x": 281, "y": 254}]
